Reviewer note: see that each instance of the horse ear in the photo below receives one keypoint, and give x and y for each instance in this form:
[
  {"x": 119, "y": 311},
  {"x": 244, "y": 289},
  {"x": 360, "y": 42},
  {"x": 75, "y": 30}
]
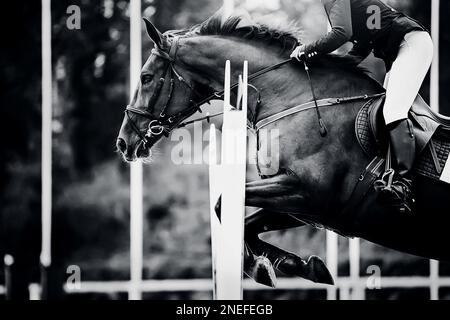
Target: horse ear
[{"x": 154, "y": 34}]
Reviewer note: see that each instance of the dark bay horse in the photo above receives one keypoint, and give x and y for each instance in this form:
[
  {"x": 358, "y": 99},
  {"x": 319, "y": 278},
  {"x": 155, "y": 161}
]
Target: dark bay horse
[{"x": 316, "y": 175}]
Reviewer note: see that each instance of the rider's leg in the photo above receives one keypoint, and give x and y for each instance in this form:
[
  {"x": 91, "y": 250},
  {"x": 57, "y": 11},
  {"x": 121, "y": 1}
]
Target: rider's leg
[
  {"x": 407, "y": 74},
  {"x": 403, "y": 84}
]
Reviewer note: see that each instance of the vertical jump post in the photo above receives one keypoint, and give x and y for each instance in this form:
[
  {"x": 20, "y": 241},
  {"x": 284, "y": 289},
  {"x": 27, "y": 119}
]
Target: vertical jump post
[
  {"x": 434, "y": 103},
  {"x": 136, "y": 170},
  {"x": 46, "y": 151},
  {"x": 227, "y": 180}
]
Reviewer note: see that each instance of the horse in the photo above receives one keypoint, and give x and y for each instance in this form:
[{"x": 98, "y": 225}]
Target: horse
[{"x": 320, "y": 158}]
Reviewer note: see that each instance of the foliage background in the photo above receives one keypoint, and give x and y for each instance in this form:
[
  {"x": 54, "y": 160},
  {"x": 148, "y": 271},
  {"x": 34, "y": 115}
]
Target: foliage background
[{"x": 91, "y": 183}]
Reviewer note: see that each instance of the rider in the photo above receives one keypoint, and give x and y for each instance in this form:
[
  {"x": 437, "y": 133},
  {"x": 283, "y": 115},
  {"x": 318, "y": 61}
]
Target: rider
[{"x": 407, "y": 50}]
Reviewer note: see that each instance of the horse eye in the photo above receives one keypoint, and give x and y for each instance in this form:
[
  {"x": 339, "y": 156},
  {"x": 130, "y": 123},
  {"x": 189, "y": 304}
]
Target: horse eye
[{"x": 146, "y": 78}]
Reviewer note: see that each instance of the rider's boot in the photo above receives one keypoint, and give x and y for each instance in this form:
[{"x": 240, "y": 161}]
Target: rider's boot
[{"x": 396, "y": 190}]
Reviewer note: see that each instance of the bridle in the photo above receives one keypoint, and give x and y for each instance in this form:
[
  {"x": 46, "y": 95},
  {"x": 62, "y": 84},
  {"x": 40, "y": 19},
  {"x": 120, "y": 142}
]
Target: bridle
[{"x": 164, "y": 124}]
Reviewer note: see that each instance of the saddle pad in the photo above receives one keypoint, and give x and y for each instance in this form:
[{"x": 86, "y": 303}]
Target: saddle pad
[
  {"x": 425, "y": 164},
  {"x": 363, "y": 130}
]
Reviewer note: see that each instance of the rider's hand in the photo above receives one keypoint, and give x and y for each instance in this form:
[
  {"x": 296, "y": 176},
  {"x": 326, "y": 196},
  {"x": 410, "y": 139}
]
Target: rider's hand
[
  {"x": 299, "y": 53},
  {"x": 302, "y": 54}
]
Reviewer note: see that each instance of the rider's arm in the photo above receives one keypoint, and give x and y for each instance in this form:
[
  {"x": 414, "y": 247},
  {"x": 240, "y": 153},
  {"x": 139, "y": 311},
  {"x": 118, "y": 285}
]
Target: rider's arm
[{"x": 339, "y": 15}]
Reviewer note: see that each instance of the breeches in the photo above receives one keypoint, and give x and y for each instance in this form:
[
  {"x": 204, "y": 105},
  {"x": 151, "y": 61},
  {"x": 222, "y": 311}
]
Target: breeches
[{"x": 408, "y": 71}]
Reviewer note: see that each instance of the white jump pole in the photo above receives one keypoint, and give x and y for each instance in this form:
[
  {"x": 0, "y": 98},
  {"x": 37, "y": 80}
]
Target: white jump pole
[
  {"x": 434, "y": 102},
  {"x": 8, "y": 261},
  {"x": 228, "y": 179},
  {"x": 434, "y": 83},
  {"x": 355, "y": 256},
  {"x": 332, "y": 261},
  {"x": 214, "y": 194},
  {"x": 46, "y": 169},
  {"x": 136, "y": 170}
]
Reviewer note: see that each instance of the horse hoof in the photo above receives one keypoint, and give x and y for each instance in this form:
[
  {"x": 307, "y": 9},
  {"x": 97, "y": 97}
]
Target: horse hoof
[
  {"x": 318, "y": 271},
  {"x": 262, "y": 272},
  {"x": 314, "y": 270}
]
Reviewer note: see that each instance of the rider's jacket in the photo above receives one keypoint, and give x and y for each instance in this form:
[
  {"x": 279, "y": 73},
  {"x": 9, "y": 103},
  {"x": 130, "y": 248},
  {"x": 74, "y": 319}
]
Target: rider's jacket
[{"x": 370, "y": 24}]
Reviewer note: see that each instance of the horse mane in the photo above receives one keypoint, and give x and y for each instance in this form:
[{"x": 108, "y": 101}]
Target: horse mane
[{"x": 285, "y": 38}]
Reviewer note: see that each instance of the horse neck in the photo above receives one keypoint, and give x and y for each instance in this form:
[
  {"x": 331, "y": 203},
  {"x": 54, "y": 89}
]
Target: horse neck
[{"x": 205, "y": 57}]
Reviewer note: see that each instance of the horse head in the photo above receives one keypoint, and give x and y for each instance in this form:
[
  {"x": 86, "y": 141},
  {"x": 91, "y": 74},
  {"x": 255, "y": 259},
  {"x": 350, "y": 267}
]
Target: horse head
[
  {"x": 186, "y": 70},
  {"x": 166, "y": 94}
]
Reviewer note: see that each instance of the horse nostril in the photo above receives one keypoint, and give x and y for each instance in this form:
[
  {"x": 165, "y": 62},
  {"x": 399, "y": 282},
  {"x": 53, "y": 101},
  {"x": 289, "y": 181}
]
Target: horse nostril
[
  {"x": 142, "y": 151},
  {"x": 121, "y": 145}
]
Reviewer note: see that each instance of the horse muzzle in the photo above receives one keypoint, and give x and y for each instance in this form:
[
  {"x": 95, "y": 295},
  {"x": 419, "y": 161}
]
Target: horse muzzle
[{"x": 132, "y": 152}]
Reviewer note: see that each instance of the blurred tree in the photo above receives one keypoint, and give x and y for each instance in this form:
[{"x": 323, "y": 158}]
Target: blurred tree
[{"x": 20, "y": 131}]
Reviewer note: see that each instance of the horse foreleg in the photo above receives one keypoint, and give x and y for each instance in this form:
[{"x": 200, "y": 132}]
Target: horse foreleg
[
  {"x": 257, "y": 267},
  {"x": 282, "y": 192},
  {"x": 257, "y": 251},
  {"x": 264, "y": 220},
  {"x": 314, "y": 269},
  {"x": 279, "y": 197}
]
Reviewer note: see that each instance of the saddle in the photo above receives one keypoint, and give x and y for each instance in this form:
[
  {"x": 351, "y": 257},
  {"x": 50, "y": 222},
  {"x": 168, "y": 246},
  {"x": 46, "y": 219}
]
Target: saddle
[{"x": 432, "y": 132}]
